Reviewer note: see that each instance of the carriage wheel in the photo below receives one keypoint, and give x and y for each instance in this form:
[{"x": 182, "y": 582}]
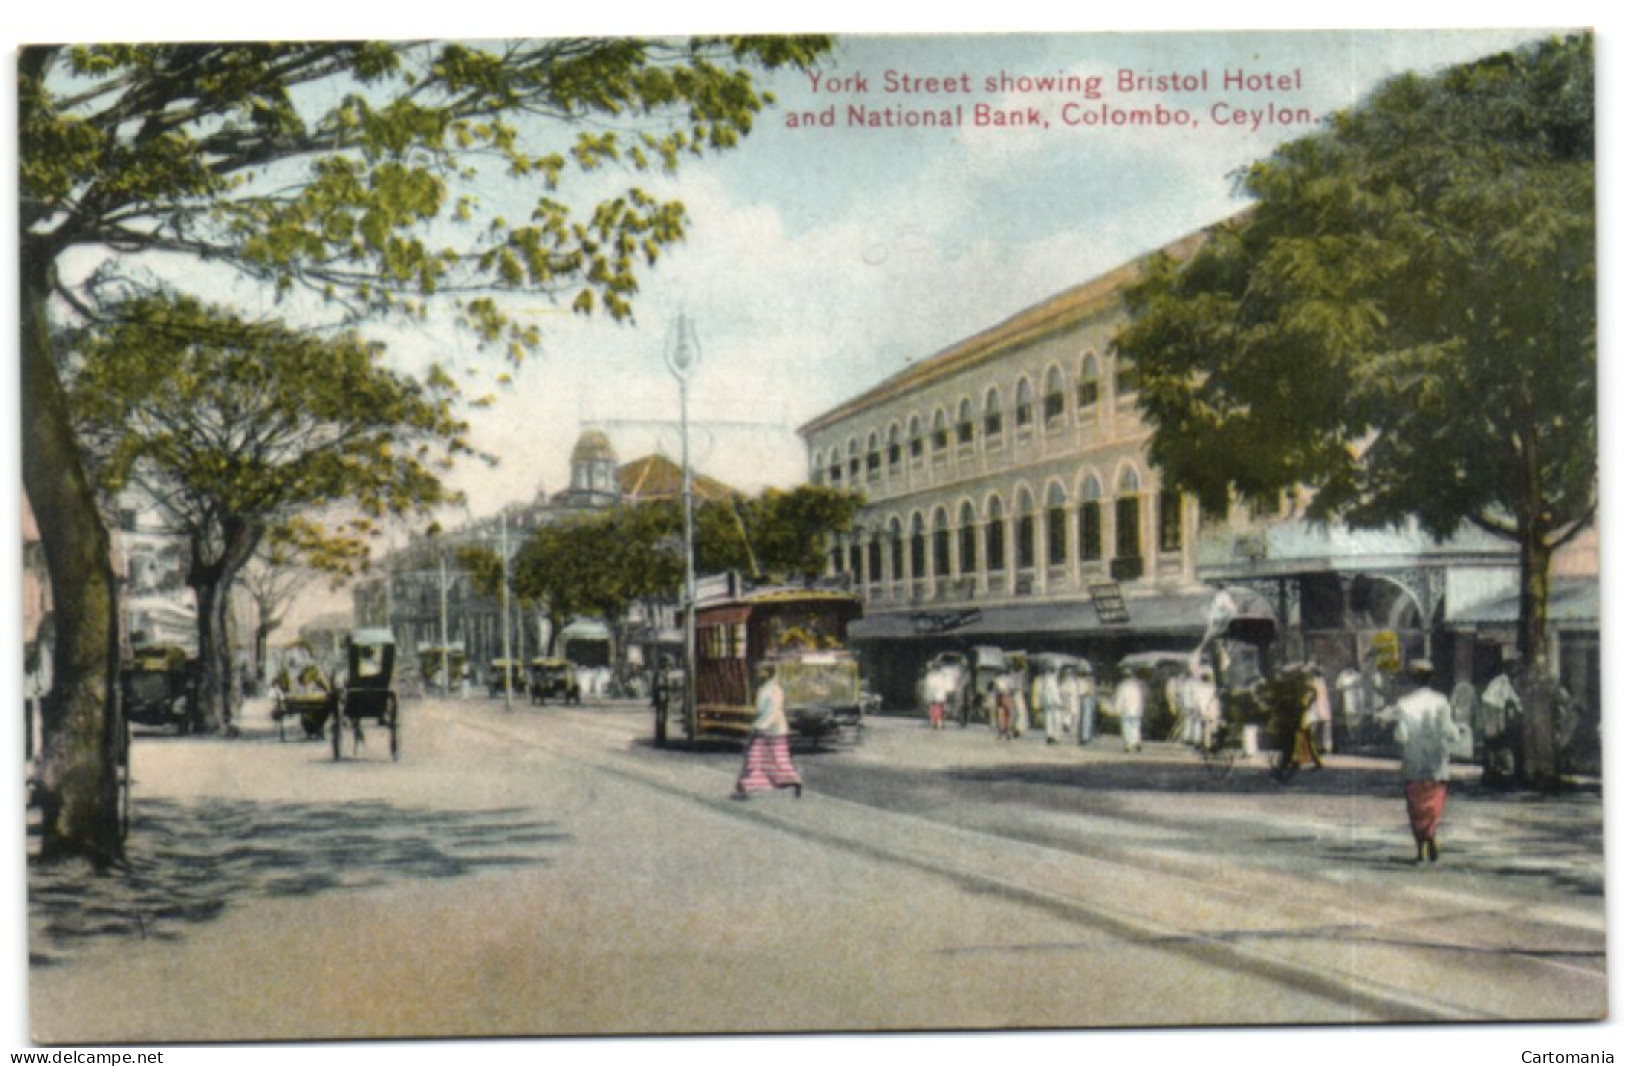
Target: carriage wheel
[
  {"x": 1218, "y": 754},
  {"x": 124, "y": 782},
  {"x": 338, "y": 730},
  {"x": 392, "y": 715}
]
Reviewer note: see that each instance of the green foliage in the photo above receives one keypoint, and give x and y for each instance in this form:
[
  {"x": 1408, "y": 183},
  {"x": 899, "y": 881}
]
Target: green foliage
[
  {"x": 240, "y": 427},
  {"x": 1406, "y": 319},
  {"x": 355, "y": 170}
]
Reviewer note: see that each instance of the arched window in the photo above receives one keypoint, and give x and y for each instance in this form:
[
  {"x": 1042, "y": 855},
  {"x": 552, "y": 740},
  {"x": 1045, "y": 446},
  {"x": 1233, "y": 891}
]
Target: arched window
[
  {"x": 1170, "y": 521},
  {"x": 817, "y": 474},
  {"x": 1128, "y": 515},
  {"x": 1088, "y": 382},
  {"x": 854, "y": 560},
  {"x": 896, "y": 550},
  {"x": 1089, "y": 536},
  {"x": 853, "y": 461},
  {"x": 871, "y": 459},
  {"x": 894, "y": 447},
  {"x": 992, "y": 417},
  {"x": 967, "y": 540},
  {"x": 916, "y": 438},
  {"x": 1024, "y": 404},
  {"x": 1054, "y": 398},
  {"x": 965, "y": 427},
  {"x": 916, "y": 548},
  {"x": 995, "y": 536},
  {"x": 939, "y": 431},
  {"x": 835, "y": 466},
  {"x": 1026, "y": 533},
  {"x": 876, "y": 557},
  {"x": 940, "y": 563},
  {"x": 1055, "y": 525},
  {"x": 1128, "y": 376}
]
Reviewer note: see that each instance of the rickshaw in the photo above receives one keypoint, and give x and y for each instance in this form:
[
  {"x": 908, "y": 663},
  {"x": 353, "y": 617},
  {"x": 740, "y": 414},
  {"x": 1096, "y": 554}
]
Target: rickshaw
[
  {"x": 444, "y": 667},
  {"x": 158, "y": 686},
  {"x": 554, "y": 678},
  {"x": 986, "y": 664},
  {"x": 301, "y": 691},
  {"x": 1241, "y": 627},
  {"x": 506, "y": 675},
  {"x": 365, "y": 693}
]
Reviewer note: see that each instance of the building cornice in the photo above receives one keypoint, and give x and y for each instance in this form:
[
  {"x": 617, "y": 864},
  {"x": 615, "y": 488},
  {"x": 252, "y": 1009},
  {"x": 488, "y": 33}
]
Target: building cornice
[{"x": 1062, "y": 311}]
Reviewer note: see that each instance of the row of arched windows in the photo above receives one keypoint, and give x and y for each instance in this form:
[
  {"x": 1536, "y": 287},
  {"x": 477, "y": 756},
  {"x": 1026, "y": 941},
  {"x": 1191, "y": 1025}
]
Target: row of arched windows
[
  {"x": 988, "y": 422},
  {"x": 970, "y": 542}
]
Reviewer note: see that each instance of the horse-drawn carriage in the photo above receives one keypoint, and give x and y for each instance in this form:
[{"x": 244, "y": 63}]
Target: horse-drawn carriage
[
  {"x": 301, "y": 691},
  {"x": 365, "y": 693}
]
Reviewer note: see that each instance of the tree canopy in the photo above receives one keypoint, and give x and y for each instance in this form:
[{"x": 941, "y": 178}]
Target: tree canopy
[
  {"x": 350, "y": 179},
  {"x": 235, "y": 428},
  {"x": 1405, "y": 318}
]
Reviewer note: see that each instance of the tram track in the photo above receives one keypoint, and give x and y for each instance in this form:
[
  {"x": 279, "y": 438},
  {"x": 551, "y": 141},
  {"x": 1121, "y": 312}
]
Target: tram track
[{"x": 1338, "y": 963}]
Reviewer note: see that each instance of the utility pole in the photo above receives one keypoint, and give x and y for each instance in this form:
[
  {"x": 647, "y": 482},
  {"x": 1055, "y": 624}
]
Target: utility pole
[
  {"x": 682, "y": 359},
  {"x": 507, "y": 632},
  {"x": 445, "y": 649}
]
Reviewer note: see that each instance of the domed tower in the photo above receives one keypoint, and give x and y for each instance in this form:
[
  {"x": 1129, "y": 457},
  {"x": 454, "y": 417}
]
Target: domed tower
[{"x": 592, "y": 471}]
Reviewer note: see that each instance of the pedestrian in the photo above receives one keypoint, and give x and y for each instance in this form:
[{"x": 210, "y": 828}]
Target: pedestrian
[
  {"x": 1464, "y": 709},
  {"x": 1306, "y": 746},
  {"x": 1020, "y": 714},
  {"x": 1425, "y": 731},
  {"x": 1322, "y": 709},
  {"x": 1051, "y": 705},
  {"x": 1501, "y": 721},
  {"x": 1204, "y": 696},
  {"x": 1088, "y": 704},
  {"x": 1129, "y": 702},
  {"x": 1357, "y": 704},
  {"x": 936, "y": 695},
  {"x": 1067, "y": 682},
  {"x": 1004, "y": 704},
  {"x": 767, "y": 753}
]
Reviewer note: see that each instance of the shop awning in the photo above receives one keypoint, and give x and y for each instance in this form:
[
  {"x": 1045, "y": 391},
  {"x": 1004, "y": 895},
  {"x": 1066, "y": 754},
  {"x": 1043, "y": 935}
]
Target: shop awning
[
  {"x": 1174, "y": 615},
  {"x": 1573, "y": 603}
]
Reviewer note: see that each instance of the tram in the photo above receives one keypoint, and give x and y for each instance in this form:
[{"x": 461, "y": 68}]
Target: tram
[{"x": 802, "y": 632}]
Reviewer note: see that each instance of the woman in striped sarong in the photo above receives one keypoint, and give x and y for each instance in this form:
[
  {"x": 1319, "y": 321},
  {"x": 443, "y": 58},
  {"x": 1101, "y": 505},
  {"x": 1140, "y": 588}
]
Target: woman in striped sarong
[{"x": 767, "y": 756}]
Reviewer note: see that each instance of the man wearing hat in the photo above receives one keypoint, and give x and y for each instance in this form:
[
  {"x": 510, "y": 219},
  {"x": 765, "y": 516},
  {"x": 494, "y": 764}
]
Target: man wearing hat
[{"x": 1425, "y": 731}]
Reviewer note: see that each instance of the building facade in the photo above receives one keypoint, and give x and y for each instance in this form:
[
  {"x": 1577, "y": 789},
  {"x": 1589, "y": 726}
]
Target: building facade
[
  {"x": 1009, "y": 497},
  {"x": 1010, "y": 501}
]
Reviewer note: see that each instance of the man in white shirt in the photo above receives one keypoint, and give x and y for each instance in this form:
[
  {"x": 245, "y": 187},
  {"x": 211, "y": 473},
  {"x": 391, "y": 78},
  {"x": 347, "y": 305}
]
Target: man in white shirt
[
  {"x": 1425, "y": 732},
  {"x": 1129, "y": 702}
]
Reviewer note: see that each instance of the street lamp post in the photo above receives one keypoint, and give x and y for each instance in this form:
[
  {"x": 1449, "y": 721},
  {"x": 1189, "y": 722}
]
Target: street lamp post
[{"x": 682, "y": 359}]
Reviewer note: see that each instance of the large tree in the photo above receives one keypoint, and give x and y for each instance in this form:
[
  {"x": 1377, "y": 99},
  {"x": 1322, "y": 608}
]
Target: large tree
[
  {"x": 1404, "y": 320},
  {"x": 232, "y": 426},
  {"x": 354, "y": 172}
]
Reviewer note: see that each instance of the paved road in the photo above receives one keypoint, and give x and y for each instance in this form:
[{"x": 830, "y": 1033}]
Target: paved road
[{"x": 548, "y": 871}]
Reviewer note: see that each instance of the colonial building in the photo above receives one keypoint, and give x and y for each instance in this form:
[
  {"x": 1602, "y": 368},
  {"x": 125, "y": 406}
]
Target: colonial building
[
  {"x": 1011, "y": 502},
  {"x": 1009, "y": 497},
  {"x": 420, "y": 590}
]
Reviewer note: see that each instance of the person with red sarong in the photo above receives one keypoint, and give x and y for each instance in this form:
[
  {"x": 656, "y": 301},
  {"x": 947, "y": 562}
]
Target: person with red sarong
[
  {"x": 767, "y": 755},
  {"x": 1425, "y": 732}
]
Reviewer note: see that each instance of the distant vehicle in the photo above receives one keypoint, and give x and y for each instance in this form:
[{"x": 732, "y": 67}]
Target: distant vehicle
[
  {"x": 802, "y": 632},
  {"x": 302, "y": 691},
  {"x": 366, "y": 692},
  {"x": 553, "y": 679},
  {"x": 506, "y": 675},
  {"x": 435, "y": 663},
  {"x": 1155, "y": 668},
  {"x": 986, "y": 663},
  {"x": 159, "y": 687}
]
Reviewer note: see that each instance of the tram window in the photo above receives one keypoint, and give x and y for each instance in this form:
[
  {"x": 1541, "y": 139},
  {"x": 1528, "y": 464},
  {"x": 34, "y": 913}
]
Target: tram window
[{"x": 738, "y": 640}]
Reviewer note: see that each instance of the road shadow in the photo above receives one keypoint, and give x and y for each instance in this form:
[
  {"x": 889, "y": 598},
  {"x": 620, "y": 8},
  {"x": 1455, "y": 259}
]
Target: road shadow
[
  {"x": 188, "y": 864},
  {"x": 1132, "y": 775}
]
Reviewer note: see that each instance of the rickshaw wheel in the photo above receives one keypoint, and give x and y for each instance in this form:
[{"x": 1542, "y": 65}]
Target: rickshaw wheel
[
  {"x": 338, "y": 731},
  {"x": 1219, "y": 757},
  {"x": 124, "y": 782},
  {"x": 393, "y": 711}
]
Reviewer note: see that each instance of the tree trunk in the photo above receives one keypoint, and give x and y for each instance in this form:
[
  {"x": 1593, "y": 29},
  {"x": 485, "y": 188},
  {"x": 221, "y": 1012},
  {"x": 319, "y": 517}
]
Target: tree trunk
[
  {"x": 217, "y": 692},
  {"x": 82, "y": 728},
  {"x": 1540, "y": 754}
]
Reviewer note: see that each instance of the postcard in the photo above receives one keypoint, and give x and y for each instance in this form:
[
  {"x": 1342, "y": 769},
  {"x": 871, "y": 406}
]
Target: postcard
[{"x": 1070, "y": 534}]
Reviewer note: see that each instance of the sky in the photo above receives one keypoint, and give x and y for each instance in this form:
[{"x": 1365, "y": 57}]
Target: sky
[{"x": 820, "y": 261}]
